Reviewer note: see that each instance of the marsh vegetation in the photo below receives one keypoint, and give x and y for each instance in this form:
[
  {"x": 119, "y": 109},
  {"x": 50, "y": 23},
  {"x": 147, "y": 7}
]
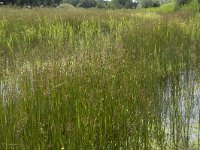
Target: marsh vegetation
[{"x": 99, "y": 79}]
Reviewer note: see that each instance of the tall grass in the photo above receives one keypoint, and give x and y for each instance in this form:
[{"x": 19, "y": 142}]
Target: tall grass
[{"x": 93, "y": 79}]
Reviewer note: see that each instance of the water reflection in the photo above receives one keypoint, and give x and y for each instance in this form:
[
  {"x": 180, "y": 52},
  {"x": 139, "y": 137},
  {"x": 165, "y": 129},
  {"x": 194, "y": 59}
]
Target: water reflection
[{"x": 180, "y": 108}]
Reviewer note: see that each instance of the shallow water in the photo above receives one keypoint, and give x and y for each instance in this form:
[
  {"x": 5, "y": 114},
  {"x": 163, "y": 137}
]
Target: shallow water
[{"x": 181, "y": 108}]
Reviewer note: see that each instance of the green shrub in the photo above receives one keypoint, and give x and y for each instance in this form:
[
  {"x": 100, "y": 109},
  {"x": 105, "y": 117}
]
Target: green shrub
[{"x": 66, "y": 6}]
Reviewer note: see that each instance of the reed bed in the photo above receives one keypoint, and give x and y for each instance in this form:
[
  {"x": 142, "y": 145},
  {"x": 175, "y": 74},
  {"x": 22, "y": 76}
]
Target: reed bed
[{"x": 95, "y": 79}]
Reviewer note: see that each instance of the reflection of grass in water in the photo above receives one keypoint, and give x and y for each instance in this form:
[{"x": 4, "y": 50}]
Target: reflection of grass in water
[
  {"x": 182, "y": 115},
  {"x": 91, "y": 81}
]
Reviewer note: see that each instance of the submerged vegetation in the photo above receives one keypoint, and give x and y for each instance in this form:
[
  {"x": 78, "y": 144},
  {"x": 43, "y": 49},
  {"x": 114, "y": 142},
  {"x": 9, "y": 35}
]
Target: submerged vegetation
[{"x": 96, "y": 79}]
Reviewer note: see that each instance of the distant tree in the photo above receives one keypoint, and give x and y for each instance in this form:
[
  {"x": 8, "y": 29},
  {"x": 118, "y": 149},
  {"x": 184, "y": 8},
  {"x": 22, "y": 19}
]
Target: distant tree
[
  {"x": 4, "y": 2},
  {"x": 149, "y": 3},
  {"x": 32, "y": 2},
  {"x": 9, "y": 2},
  {"x": 17, "y": 2},
  {"x": 116, "y": 4},
  {"x": 135, "y": 4},
  {"x": 146, "y": 3},
  {"x": 101, "y": 4},
  {"x": 87, "y": 3},
  {"x": 182, "y": 2},
  {"x": 124, "y": 4},
  {"x": 35, "y": 2},
  {"x": 156, "y": 4},
  {"x": 129, "y": 4}
]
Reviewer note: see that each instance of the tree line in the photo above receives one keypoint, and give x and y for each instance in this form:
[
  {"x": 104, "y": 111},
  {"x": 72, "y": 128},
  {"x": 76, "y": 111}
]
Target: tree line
[
  {"x": 75, "y": 3},
  {"x": 94, "y": 3},
  {"x": 85, "y": 3},
  {"x": 32, "y": 2}
]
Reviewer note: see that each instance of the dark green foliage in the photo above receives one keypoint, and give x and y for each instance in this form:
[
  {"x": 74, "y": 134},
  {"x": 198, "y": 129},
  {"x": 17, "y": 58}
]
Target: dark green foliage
[
  {"x": 32, "y": 2},
  {"x": 156, "y": 4},
  {"x": 124, "y": 4},
  {"x": 182, "y": 2},
  {"x": 87, "y": 3},
  {"x": 129, "y": 4},
  {"x": 80, "y": 3},
  {"x": 101, "y": 4},
  {"x": 149, "y": 3},
  {"x": 135, "y": 4}
]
